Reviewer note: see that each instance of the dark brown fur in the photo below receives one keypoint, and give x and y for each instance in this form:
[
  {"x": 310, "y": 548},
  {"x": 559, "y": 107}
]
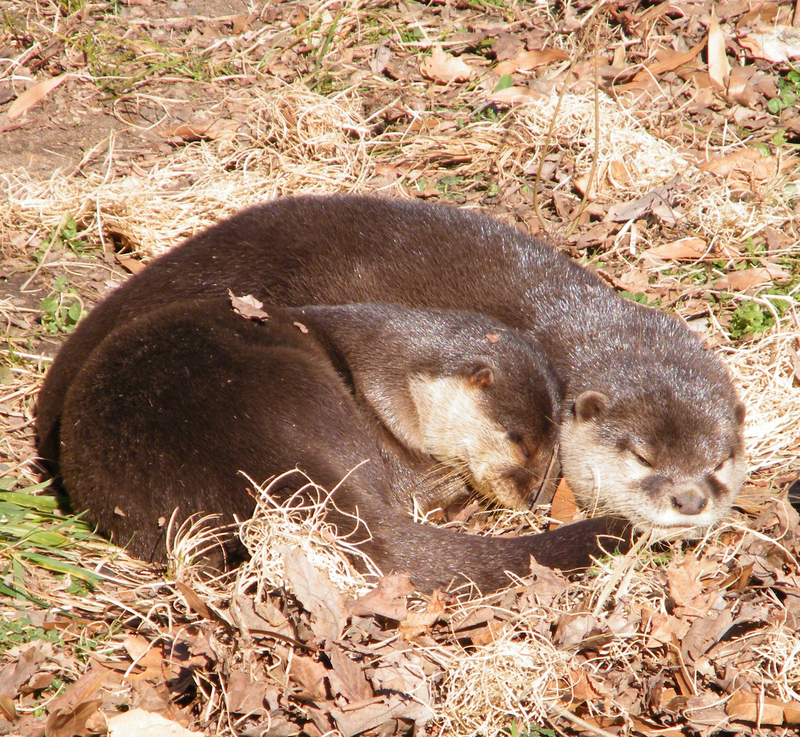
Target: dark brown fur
[{"x": 172, "y": 407}]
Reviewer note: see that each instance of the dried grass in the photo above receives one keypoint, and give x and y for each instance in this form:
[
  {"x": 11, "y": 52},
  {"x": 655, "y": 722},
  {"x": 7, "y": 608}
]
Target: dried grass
[
  {"x": 298, "y": 523},
  {"x": 765, "y": 376}
]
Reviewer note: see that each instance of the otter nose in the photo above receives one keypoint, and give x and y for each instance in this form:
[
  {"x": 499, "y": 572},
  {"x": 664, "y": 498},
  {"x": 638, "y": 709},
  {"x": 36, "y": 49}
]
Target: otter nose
[{"x": 689, "y": 502}]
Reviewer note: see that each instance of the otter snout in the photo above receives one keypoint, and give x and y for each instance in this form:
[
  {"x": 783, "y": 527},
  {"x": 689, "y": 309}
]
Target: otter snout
[{"x": 689, "y": 501}]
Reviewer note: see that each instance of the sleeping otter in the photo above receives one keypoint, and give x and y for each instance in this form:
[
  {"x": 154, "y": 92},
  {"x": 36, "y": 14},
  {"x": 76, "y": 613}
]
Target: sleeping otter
[
  {"x": 651, "y": 426},
  {"x": 172, "y": 406}
]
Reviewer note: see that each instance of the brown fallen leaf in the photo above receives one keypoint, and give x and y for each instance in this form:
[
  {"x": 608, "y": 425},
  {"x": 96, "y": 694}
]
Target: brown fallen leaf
[
  {"x": 640, "y": 207},
  {"x": 347, "y": 677},
  {"x": 248, "y": 306},
  {"x": 684, "y": 249},
  {"x": 572, "y": 629},
  {"x": 741, "y": 281},
  {"x": 387, "y": 599},
  {"x": 7, "y": 708},
  {"x": 383, "y": 54},
  {"x": 718, "y": 66},
  {"x": 70, "y": 721},
  {"x": 740, "y": 88},
  {"x": 417, "y": 623},
  {"x": 443, "y": 67},
  {"x": 196, "y": 604},
  {"x": 684, "y": 579},
  {"x": 750, "y": 707},
  {"x": 33, "y": 94},
  {"x": 320, "y": 598},
  {"x": 563, "y": 507},
  {"x": 14, "y": 675},
  {"x": 514, "y": 96},
  {"x": 245, "y": 695},
  {"x": 141, "y": 723},
  {"x": 668, "y": 63},
  {"x": 211, "y": 130},
  {"x": 310, "y": 675},
  {"x": 527, "y": 60},
  {"x": 747, "y": 163},
  {"x": 777, "y": 44},
  {"x": 130, "y": 264},
  {"x": 374, "y": 715}
]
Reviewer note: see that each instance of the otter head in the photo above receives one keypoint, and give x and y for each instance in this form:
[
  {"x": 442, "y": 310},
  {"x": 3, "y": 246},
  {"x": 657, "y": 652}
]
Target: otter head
[
  {"x": 497, "y": 426},
  {"x": 667, "y": 452}
]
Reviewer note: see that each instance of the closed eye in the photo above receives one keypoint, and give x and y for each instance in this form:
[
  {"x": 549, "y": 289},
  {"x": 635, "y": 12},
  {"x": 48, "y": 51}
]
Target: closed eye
[
  {"x": 641, "y": 459},
  {"x": 521, "y": 444},
  {"x": 729, "y": 458}
]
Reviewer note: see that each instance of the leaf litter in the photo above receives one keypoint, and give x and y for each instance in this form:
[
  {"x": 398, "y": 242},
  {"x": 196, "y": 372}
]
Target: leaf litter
[{"x": 676, "y": 181}]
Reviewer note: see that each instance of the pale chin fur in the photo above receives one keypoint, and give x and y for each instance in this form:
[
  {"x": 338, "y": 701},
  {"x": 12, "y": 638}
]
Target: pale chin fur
[{"x": 605, "y": 480}]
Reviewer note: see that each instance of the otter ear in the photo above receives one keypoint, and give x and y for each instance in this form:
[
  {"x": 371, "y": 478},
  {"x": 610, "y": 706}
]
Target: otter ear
[
  {"x": 481, "y": 376},
  {"x": 739, "y": 412},
  {"x": 589, "y": 405}
]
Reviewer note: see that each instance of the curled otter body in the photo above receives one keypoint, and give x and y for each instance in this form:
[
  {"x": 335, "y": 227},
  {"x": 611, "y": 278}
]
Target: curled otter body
[
  {"x": 636, "y": 384},
  {"x": 175, "y": 406}
]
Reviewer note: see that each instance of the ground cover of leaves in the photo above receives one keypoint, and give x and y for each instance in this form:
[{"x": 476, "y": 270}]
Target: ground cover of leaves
[{"x": 655, "y": 142}]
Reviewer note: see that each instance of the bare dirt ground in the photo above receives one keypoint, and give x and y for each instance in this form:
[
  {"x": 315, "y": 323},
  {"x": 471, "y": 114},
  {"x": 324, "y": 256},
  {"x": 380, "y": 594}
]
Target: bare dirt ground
[{"x": 655, "y": 142}]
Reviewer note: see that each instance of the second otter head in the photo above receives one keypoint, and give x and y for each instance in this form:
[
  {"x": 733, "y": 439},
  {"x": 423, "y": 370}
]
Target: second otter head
[
  {"x": 664, "y": 451},
  {"x": 495, "y": 419}
]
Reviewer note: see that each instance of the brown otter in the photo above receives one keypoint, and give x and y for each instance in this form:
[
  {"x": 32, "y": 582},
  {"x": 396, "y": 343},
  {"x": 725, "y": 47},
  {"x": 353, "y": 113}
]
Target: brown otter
[
  {"x": 455, "y": 386},
  {"x": 638, "y": 388},
  {"x": 172, "y": 406}
]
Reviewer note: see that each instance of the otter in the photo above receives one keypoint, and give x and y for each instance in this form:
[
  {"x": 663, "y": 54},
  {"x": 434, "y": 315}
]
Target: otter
[
  {"x": 478, "y": 397},
  {"x": 172, "y": 408},
  {"x": 651, "y": 427}
]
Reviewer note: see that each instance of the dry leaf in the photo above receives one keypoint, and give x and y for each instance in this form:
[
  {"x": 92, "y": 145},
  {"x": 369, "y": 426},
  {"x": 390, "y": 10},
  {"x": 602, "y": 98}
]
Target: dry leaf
[
  {"x": 684, "y": 249},
  {"x": 514, "y": 96},
  {"x": 671, "y": 61},
  {"x": 7, "y": 708},
  {"x": 718, "y": 66},
  {"x": 750, "y": 707},
  {"x": 381, "y": 59},
  {"x": 639, "y": 208},
  {"x": 527, "y": 60},
  {"x": 320, "y": 598},
  {"x": 746, "y": 162},
  {"x": 374, "y": 715},
  {"x": 739, "y": 87},
  {"x": 745, "y": 279},
  {"x": 347, "y": 677},
  {"x": 443, "y": 67},
  {"x": 778, "y": 44},
  {"x": 416, "y": 623},
  {"x": 16, "y": 674},
  {"x": 196, "y": 604},
  {"x": 141, "y": 723},
  {"x": 248, "y": 306},
  {"x": 388, "y": 598},
  {"x": 33, "y": 94},
  {"x": 130, "y": 264},
  {"x": 310, "y": 674},
  {"x": 245, "y": 695},
  {"x": 572, "y": 629},
  {"x": 563, "y": 507},
  {"x": 684, "y": 579},
  {"x": 68, "y": 722}
]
